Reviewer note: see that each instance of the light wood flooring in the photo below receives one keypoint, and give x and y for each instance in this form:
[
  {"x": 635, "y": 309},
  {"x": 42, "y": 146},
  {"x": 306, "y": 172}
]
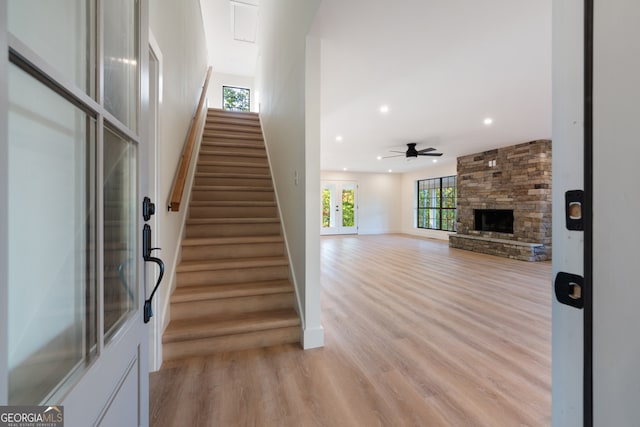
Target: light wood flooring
[{"x": 416, "y": 334}]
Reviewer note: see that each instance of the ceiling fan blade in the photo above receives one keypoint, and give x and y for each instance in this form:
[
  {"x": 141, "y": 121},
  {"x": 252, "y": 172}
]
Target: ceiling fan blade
[
  {"x": 396, "y": 151},
  {"x": 430, "y": 154},
  {"x": 399, "y": 155},
  {"x": 426, "y": 150}
]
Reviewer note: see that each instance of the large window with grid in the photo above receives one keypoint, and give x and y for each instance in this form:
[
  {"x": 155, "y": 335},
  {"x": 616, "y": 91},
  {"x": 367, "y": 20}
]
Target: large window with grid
[{"x": 437, "y": 203}]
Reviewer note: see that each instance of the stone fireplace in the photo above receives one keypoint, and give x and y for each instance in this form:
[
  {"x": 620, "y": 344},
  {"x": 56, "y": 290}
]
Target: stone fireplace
[{"x": 504, "y": 202}]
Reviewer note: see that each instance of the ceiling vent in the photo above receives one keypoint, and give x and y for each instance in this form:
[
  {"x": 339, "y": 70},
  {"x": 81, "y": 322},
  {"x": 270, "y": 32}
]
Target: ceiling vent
[{"x": 244, "y": 20}]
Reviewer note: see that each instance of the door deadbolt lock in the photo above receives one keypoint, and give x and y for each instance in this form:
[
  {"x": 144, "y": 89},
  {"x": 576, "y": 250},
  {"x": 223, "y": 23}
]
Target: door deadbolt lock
[{"x": 148, "y": 209}]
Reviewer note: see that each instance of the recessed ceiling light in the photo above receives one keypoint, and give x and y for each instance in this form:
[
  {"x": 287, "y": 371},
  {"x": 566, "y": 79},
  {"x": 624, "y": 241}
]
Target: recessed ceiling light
[
  {"x": 488, "y": 121},
  {"x": 379, "y": 157},
  {"x": 344, "y": 169},
  {"x": 384, "y": 109},
  {"x": 435, "y": 160},
  {"x": 339, "y": 138},
  {"x": 390, "y": 170}
]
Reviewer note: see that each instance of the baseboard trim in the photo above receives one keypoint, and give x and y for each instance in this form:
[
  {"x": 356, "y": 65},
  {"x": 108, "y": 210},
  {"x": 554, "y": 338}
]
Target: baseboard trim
[{"x": 312, "y": 338}]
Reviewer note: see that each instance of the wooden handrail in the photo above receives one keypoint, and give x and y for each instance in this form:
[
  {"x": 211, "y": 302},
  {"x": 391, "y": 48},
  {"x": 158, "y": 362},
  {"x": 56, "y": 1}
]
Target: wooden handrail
[{"x": 183, "y": 168}]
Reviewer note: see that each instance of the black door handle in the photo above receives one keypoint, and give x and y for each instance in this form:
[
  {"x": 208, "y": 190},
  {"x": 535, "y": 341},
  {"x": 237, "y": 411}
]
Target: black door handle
[
  {"x": 146, "y": 255},
  {"x": 149, "y": 209}
]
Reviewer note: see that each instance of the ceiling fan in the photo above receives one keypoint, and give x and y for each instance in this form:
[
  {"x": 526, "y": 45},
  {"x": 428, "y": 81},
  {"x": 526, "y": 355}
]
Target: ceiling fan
[{"x": 412, "y": 153}]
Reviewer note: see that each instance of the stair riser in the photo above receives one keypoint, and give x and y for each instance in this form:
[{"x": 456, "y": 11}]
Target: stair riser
[
  {"x": 232, "y": 128},
  {"x": 229, "y": 167},
  {"x": 252, "y": 196},
  {"x": 203, "y": 347},
  {"x": 218, "y": 277},
  {"x": 231, "y": 230},
  {"x": 249, "y": 250},
  {"x": 211, "y": 141},
  {"x": 233, "y": 147},
  {"x": 232, "y": 116},
  {"x": 234, "y": 136},
  {"x": 231, "y": 306},
  {"x": 210, "y": 156},
  {"x": 226, "y": 121},
  {"x": 250, "y": 182},
  {"x": 233, "y": 212}
]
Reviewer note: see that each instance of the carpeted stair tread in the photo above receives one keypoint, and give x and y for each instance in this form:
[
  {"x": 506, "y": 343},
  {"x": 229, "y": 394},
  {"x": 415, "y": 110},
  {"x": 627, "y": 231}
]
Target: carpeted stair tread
[
  {"x": 207, "y": 292},
  {"x": 199, "y": 328}
]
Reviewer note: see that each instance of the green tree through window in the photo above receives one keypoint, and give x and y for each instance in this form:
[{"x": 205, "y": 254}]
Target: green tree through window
[
  {"x": 236, "y": 98},
  {"x": 326, "y": 208},
  {"x": 348, "y": 210},
  {"x": 437, "y": 203}
]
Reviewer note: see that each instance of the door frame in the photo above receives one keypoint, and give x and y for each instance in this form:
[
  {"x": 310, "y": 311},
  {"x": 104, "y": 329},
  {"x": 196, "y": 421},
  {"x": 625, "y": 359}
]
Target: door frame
[
  {"x": 587, "y": 211},
  {"x": 155, "y": 100}
]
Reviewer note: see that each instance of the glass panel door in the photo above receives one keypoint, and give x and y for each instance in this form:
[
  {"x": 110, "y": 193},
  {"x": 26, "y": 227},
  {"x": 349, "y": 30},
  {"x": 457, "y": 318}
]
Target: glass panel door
[
  {"x": 328, "y": 211},
  {"x": 63, "y": 33},
  {"x": 52, "y": 240},
  {"x": 339, "y": 207},
  {"x": 75, "y": 331},
  {"x": 120, "y": 252},
  {"x": 121, "y": 60},
  {"x": 348, "y": 205}
]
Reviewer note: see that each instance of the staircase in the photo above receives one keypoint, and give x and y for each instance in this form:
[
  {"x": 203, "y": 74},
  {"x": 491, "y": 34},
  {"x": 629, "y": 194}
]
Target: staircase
[{"x": 233, "y": 290}]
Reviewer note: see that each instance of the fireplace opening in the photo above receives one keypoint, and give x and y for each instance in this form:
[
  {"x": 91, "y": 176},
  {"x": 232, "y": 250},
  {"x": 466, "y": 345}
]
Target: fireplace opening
[{"x": 498, "y": 220}]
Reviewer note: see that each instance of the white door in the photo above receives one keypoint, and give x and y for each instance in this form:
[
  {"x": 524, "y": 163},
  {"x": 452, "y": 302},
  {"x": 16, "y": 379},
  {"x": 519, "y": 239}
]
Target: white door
[
  {"x": 76, "y": 175},
  {"x": 596, "y": 348},
  {"x": 339, "y": 203},
  {"x": 616, "y": 201}
]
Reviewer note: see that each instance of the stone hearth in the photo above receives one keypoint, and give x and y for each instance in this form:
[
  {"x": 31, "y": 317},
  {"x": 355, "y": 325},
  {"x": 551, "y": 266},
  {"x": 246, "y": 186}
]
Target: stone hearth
[{"x": 514, "y": 178}]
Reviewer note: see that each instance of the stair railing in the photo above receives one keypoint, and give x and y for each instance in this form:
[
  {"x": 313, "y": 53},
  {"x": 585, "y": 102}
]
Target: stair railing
[{"x": 180, "y": 180}]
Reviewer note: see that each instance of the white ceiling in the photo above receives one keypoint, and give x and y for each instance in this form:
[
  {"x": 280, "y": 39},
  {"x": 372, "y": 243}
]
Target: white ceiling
[
  {"x": 442, "y": 67},
  {"x": 230, "y": 29}
]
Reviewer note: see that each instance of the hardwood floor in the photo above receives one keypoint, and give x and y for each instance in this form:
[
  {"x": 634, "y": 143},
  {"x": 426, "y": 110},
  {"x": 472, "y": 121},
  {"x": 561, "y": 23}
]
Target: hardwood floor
[{"x": 416, "y": 334}]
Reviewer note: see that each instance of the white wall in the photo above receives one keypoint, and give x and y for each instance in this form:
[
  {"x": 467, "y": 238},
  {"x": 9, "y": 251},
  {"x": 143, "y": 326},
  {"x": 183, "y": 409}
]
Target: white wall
[
  {"x": 291, "y": 140},
  {"x": 179, "y": 32},
  {"x": 218, "y": 80},
  {"x": 408, "y": 194},
  {"x": 379, "y": 200}
]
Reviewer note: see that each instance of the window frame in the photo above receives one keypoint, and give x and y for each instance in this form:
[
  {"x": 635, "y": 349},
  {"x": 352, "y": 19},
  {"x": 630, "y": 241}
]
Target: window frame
[
  {"x": 438, "y": 205},
  {"x": 240, "y": 88}
]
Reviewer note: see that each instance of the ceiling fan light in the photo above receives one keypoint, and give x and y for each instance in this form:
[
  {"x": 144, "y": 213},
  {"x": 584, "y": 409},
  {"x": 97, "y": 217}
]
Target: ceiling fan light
[{"x": 411, "y": 158}]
